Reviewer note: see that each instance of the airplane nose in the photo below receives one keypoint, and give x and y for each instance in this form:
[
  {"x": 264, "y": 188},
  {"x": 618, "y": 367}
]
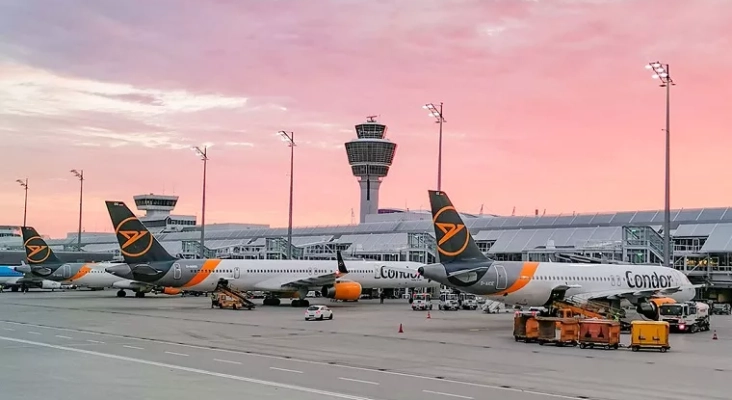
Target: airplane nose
[{"x": 119, "y": 270}]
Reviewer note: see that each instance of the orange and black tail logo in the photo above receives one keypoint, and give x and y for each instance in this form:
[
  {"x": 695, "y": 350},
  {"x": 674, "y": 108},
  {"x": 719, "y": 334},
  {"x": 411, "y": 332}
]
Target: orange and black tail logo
[
  {"x": 36, "y": 250},
  {"x": 452, "y": 236},
  {"x": 134, "y": 239}
]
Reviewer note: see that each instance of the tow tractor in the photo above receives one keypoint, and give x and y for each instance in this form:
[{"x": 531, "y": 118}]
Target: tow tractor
[
  {"x": 468, "y": 301},
  {"x": 685, "y": 317},
  {"x": 449, "y": 301},
  {"x": 421, "y": 301},
  {"x": 226, "y": 297}
]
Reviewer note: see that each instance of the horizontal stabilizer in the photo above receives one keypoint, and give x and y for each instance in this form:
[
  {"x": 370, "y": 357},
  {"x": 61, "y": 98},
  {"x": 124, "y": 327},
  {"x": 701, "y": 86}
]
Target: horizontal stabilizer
[{"x": 467, "y": 271}]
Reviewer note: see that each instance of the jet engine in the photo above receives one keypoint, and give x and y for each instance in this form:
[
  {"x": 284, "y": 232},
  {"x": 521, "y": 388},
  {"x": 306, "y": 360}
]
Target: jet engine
[
  {"x": 50, "y": 285},
  {"x": 649, "y": 308},
  {"x": 342, "y": 291},
  {"x": 171, "y": 291}
]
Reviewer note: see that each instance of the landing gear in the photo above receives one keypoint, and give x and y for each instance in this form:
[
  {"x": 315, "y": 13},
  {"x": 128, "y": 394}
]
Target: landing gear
[
  {"x": 271, "y": 301},
  {"x": 121, "y": 293},
  {"x": 300, "y": 303},
  {"x": 139, "y": 295},
  {"x": 14, "y": 289}
]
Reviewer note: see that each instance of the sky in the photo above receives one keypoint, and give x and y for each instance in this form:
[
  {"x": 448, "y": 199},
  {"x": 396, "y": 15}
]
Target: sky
[{"x": 547, "y": 102}]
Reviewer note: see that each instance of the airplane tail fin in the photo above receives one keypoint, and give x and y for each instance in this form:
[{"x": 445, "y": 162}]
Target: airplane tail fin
[
  {"x": 136, "y": 243},
  {"x": 342, "y": 270},
  {"x": 36, "y": 249},
  {"x": 454, "y": 241}
]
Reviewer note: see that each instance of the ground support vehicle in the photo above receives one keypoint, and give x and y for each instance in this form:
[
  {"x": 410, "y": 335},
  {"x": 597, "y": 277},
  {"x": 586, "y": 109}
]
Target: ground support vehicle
[
  {"x": 421, "y": 301},
  {"x": 224, "y": 297},
  {"x": 449, "y": 301},
  {"x": 599, "y": 333},
  {"x": 468, "y": 301},
  {"x": 525, "y": 327},
  {"x": 689, "y": 316},
  {"x": 649, "y": 335},
  {"x": 559, "y": 331}
]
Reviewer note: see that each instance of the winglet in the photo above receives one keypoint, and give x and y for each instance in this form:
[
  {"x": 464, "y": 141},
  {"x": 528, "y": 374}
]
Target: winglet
[{"x": 341, "y": 265}]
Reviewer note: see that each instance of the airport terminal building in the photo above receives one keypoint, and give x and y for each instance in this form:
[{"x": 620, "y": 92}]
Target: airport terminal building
[{"x": 702, "y": 238}]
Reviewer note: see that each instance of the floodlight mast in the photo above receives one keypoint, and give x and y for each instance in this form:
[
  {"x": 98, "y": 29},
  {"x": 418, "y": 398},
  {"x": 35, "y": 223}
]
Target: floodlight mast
[
  {"x": 437, "y": 113},
  {"x": 24, "y": 184},
  {"x": 662, "y": 73},
  {"x": 289, "y": 138},
  {"x": 203, "y": 155},
  {"x": 80, "y": 176}
]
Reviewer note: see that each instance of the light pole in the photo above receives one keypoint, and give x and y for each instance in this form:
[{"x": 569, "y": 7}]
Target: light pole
[
  {"x": 80, "y": 176},
  {"x": 437, "y": 113},
  {"x": 204, "y": 157},
  {"x": 289, "y": 138},
  {"x": 24, "y": 185},
  {"x": 661, "y": 72}
]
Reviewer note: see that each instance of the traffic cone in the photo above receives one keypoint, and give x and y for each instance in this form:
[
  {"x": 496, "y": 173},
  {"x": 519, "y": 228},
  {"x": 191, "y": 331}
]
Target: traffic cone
[
  {"x": 400, "y": 329},
  {"x": 714, "y": 337},
  {"x": 428, "y": 315}
]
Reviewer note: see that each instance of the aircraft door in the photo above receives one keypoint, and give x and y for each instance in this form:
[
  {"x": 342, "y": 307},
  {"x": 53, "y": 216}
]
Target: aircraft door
[
  {"x": 501, "y": 277},
  {"x": 612, "y": 280},
  {"x": 311, "y": 271},
  {"x": 377, "y": 272},
  {"x": 177, "y": 271},
  {"x": 66, "y": 270},
  {"x": 236, "y": 273}
]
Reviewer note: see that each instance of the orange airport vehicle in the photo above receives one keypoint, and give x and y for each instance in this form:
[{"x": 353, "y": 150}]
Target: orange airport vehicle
[
  {"x": 599, "y": 333},
  {"x": 649, "y": 335},
  {"x": 226, "y": 297},
  {"x": 525, "y": 327},
  {"x": 560, "y": 331}
]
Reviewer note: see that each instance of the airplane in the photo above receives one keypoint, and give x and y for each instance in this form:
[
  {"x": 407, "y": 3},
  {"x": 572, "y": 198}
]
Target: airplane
[
  {"x": 10, "y": 278},
  {"x": 147, "y": 261},
  {"x": 464, "y": 267},
  {"x": 43, "y": 263}
]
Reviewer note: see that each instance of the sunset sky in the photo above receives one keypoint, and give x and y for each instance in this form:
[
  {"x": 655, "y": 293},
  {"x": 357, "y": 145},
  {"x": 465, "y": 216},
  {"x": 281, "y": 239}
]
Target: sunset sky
[{"x": 547, "y": 102}]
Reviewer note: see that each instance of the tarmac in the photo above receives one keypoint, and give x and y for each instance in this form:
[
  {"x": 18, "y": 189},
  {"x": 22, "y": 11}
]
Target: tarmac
[{"x": 81, "y": 344}]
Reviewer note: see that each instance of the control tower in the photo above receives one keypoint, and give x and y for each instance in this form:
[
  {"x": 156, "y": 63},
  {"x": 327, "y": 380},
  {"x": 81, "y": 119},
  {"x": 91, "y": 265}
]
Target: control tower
[
  {"x": 155, "y": 205},
  {"x": 370, "y": 156}
]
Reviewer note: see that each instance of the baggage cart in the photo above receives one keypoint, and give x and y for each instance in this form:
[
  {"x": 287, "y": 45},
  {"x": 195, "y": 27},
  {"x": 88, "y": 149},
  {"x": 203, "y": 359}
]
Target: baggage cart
[
  {"x": 525, "y": 327},
  {"x": 599, "y": 333},
  {"x": 559, "y": 331},
  {"x": 649, "y": 335}
]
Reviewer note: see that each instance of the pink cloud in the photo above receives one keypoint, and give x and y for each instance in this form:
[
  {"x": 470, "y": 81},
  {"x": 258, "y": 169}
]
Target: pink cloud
[{"x": 547, "y": 102}]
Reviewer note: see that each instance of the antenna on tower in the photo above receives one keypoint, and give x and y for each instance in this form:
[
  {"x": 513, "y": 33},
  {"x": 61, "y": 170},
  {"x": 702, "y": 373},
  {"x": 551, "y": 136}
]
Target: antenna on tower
[
  {"x": 353, "y": 217},
  {"x": 513, "y": 213},
  {"x": 543, "y": 213},
  {"x": 371, "y": 118},
  {"x": 481, "y": 210}
]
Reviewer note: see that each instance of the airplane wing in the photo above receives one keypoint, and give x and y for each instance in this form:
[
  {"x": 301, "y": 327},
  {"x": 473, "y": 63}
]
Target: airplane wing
[
  {"x": 626, "y": 294},
  {"x": 306, "y": 281}
]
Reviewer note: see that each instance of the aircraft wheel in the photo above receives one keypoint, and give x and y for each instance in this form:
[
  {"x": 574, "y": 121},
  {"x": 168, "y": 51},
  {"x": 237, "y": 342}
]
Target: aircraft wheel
[{"x": 121, "y": 293}]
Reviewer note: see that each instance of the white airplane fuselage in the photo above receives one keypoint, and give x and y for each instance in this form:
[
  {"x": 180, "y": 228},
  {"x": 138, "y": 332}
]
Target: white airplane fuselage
[{"x": 532, "y": 283}]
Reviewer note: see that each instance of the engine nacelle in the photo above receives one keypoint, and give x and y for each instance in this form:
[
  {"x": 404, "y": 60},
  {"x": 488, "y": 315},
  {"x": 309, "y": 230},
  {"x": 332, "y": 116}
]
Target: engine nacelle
[
  {"x": 342, "y": 291},
  {"x": 171, "y": 291},
  {"x": 649, "y": 308},
  {"x": 50, "y": 285}
]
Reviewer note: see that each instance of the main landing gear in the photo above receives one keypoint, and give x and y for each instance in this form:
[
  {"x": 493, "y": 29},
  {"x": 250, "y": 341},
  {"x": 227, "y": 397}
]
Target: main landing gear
[
  {"x": 274, "y": 301},
  {"x": 122, "y": 293}
]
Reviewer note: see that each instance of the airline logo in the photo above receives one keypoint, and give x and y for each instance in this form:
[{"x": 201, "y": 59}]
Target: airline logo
[
  {"x": 453, "y": 237},
  {"x": 387, "y": 273},
  {"x": 648, "y": 281},
  {"x": 135, "y": 240},
  {"x": 36, "y": 250}
]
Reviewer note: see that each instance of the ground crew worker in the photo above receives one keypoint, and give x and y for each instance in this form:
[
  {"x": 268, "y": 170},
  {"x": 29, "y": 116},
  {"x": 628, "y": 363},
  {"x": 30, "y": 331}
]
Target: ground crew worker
[
  {"x": 213, "y": 299},
  {"x": 382, "y": 295}
]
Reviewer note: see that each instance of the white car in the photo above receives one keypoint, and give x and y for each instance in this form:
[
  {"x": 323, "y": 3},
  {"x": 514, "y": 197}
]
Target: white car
[{"x": 318, "y": 312}]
